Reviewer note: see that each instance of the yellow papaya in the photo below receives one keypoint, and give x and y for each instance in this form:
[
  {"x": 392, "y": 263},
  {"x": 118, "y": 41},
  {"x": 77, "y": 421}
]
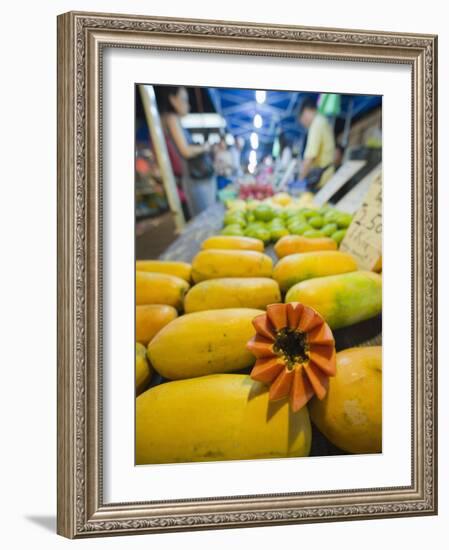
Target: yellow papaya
[
  {"x": 350, "y": 415},
  {"x": 341, "y": 299},
  {"x": 159, "y": 288},
  {"x": 204, "y": 342},
  {"x": 235, "y": 292},
  {"x": 217, "y": 417},
  {"x": 150, "y": 319},
  {"x": 233, "y": 243},
  {"x": 143, "y": 369},
  {"x": 179, "y": 269},
  {"x": 216, "y": 264},
  {"x": 294, "y": 244},
  {"x": 298, "y": 267}
]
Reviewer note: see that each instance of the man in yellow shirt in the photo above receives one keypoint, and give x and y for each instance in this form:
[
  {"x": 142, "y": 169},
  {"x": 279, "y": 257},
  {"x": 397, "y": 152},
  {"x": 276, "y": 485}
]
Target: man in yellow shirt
[{"x": 320, "y": 146}]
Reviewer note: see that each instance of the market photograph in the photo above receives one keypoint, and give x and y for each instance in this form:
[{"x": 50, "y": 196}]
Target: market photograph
[{"x": 258, "y": 274}]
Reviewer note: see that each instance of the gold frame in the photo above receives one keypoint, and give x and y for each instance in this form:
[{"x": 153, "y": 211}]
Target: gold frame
[{"x": 81, "y": 38}]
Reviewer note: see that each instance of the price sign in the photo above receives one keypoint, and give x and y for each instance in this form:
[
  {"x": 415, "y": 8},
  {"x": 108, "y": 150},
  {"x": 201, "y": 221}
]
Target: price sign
[{"x": 363, "y": 238}]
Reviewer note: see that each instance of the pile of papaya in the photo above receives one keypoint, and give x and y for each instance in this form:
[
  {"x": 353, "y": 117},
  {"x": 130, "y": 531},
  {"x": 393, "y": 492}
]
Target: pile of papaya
[{"x": 245, "y": 349}]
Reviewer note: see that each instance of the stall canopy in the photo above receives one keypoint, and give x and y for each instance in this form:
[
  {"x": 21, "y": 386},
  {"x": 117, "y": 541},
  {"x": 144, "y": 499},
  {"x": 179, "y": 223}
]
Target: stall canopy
[{"x": 271, "y": 113}]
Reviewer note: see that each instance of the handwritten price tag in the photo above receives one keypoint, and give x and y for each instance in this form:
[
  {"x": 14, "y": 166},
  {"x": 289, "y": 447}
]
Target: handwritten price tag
[{"x": 363, "y": 238}]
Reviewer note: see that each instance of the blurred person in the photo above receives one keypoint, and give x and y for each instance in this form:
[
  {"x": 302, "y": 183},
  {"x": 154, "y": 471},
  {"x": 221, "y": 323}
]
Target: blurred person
[
  {"x": 224, "y": 164},
  {"x": 338, "y": 156},
  {"x": 223, "y": 159},
  {"x": 286, "y": 153},
  {"x": 236, "y": 153},
  {"x": 319, "y": 153},
  {"x": 173, "y": 104}
]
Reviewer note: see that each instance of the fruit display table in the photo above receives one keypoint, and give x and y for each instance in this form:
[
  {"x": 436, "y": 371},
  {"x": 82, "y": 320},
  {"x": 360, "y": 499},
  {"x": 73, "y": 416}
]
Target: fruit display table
[
  {"x": 187, "y": 245},
  {"x": 210, "y": 222}
]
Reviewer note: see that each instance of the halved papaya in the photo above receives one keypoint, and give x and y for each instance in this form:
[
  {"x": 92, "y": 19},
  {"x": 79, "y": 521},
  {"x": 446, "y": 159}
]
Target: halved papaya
[{"x": 295, "y": 353}]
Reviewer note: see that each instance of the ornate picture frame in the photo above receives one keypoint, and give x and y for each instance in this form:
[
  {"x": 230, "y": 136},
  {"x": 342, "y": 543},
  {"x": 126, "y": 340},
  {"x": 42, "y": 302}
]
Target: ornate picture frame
[{"x": 81, "y": 40}]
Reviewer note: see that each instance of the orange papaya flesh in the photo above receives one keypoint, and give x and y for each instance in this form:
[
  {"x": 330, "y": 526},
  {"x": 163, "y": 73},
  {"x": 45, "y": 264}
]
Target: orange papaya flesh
[{"x": 295, "y": 353}]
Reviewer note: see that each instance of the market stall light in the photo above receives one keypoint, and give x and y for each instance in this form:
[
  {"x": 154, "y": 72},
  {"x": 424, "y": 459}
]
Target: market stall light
[
  {"x": 261, "y": 95},
  {"x": 258, "y": 121},
  {"x": 252, "y": 168},
  {"x": 213, "y": 138},
  {"x": 203, "y": 120},
  {"x": 198, "y": 138},
  {"x": 230, "y": 140},
  {"x": 254, "y": 140},
  {"x": 252, "y": 157}
]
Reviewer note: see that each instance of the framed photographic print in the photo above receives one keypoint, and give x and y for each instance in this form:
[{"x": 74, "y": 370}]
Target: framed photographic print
[{"x": 246, "y": 274}]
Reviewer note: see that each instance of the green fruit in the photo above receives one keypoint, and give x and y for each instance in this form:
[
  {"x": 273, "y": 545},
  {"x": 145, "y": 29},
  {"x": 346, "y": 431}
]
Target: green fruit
[
  {"x": 276, "y": 223},
  {"x": 308, "y": 213},
  {"x": 298, "y": 218},
  {"x": 255, "y": 225},
  {"x": 299, "y": 228},
  {"x": 330, "y": 216},
  {"x": 252, "y": 203},
  {"x": 313, "y": 233},
  {"x": 264, "y": 213},
  {"x": 329, "y": 229},
  {"x": 234, "y": 218},
  {"x": 263, "y": 234},
  {"x": 250, "y": 217},
  {"x": 343, "y": 220},
  {"x": 277, "y": 233},
  {"x": 338, "y": 235},
  {"x": 233, "y": 230},
  {"x": 323, "y": 210},
  {"x": 258, "y": 232},
  {"x": 250, "y": 232},
  {"x": 234, "y": 214},
  {"x": 316, "y": 222}
]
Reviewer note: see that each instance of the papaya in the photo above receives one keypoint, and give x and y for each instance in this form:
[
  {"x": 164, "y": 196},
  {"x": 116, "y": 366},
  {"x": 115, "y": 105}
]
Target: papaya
[
  {"x": 159, "y": 288},
  {"x": 204, "y": 342},
  {"x": 293, "y": 244},
  {"x": 298, "y": 267},
  {"x": 217, "y": 417},
  {"x": 350, "y": 415},
  {"x": 295, "y": 351},
  {"x": 143, "y": 369},
  {"x": 150, "y": 319},
  {"x": 217, "y": 264},
  {"x": 236, "y": 292},
  {"x": 342, "y": 299},
  {"x": 233, "y": 243},
  {"x": 179, "y": 269}
]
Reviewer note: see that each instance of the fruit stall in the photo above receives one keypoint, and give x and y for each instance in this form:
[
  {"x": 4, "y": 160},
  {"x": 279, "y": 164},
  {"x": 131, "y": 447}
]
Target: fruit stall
[
  {"x": 259, "y": 322},
  {"x": 262, "y": 330}
]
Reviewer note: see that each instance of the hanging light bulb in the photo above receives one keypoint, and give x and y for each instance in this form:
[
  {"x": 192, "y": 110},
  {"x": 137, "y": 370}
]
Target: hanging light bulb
[
  {"x": 258, "y": 121},
  {"x": 254, "y": 140},
  {"x": 261, "y": 96}
]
